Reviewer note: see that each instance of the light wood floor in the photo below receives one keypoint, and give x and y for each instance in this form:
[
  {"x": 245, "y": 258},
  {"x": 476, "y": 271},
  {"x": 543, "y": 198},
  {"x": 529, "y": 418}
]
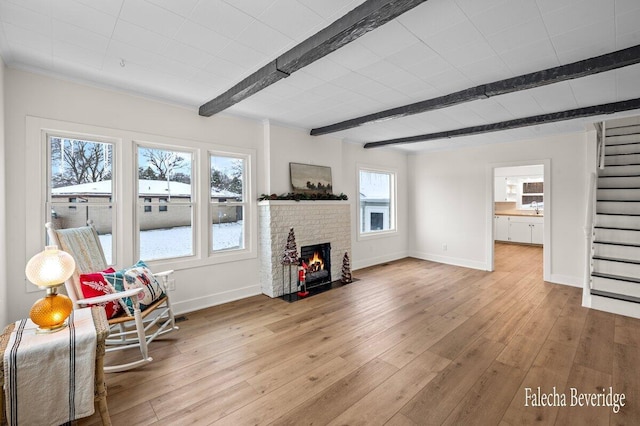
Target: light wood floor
[{"x": 411, "y": 342}]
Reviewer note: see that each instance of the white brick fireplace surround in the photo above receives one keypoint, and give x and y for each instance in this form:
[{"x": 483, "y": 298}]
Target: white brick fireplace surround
[{"x": 313, "y": 222}]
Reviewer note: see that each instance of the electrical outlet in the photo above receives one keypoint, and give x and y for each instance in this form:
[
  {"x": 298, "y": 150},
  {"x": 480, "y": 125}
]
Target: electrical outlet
[
  {"x": 172, "y": 284},
  {"x": 444, "y": 247}
]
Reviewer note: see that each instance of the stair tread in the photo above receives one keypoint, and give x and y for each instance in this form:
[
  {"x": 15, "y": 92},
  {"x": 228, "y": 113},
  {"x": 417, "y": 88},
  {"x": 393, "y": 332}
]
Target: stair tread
[
  {"x": 619, "y": 201},
  {"x": 616, "y": 228},
  {"x": 614, "y": 243},
  {"x": 618, "y": 214},
  {"x": 615, "y": 277},
  {"x": 618, "y": 296},
  {"x": 617, "y": 259},
  {"x": 621, "y": 153}
]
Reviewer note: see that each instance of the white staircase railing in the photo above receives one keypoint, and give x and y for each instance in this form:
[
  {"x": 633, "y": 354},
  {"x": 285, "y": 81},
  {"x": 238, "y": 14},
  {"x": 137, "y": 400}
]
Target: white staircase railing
[
  {"x": 601, "y": 144},
  {"x": 589, "y": 226},
  {"x": 589, "y": 222}
]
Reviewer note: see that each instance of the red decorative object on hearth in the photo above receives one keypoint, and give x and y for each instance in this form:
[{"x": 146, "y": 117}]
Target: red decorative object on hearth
[{"x": 302, "y": 279}]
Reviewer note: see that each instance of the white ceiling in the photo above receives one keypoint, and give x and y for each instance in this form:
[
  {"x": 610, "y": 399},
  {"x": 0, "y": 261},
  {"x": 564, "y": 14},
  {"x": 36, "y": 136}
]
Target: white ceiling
[{"x": 190, "y": 51}]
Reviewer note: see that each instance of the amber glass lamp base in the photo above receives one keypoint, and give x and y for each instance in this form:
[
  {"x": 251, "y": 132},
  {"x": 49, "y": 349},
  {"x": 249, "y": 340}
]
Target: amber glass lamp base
[{"x": 50, "y": 312}]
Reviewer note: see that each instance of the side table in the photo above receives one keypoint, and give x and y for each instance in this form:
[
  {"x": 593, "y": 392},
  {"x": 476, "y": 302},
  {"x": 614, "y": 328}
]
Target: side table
[{"x": 100, "y": 390}]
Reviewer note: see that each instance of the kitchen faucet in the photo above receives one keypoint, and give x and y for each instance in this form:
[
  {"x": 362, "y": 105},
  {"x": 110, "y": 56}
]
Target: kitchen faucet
[{"x": 534, "y": 204}]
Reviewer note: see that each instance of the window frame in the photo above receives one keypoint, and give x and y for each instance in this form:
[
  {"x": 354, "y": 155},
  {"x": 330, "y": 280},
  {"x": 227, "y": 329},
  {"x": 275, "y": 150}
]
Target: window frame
[
  {"x": 248, "y": 231},
  {"x": 124, "y": 173},
  {"x": 393, "y": 225},
  {"x": 74, "y": 202},
  {"x": 163, "y": 203}
]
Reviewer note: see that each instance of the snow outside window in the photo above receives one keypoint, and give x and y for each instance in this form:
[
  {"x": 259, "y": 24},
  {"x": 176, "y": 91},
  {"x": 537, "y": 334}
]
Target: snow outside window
[
  {"x": 164, "y": 177},
  {"x": 228, "y": 202},
  {"x": 376, "y": 202},
  {"x": 80, "y": 186}
]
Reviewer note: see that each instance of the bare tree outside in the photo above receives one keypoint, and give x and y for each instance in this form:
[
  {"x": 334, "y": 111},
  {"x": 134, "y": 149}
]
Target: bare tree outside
[
  {"x": 163, "y": 164},
  {"x": 76, "y": 161}
]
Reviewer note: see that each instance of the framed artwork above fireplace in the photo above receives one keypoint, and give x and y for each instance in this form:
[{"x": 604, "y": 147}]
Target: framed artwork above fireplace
[{"x": 310, "y": 179}]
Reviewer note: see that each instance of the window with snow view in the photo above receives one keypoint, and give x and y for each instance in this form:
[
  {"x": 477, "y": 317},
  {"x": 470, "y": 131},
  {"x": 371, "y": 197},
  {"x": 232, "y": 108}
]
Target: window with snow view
[
  {"x": 164, "y": 184},
  {"x": 80, "y": 186},
  {"x": 376, "y": 204},
  {"x": 228, "y": 202}
]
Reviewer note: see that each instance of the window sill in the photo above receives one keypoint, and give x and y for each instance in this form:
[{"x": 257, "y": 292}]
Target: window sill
[{"x": 377, "y": 234}]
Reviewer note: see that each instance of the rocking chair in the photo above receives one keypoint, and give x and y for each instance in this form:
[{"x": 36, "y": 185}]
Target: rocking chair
[{"x": 126, "y": 331}]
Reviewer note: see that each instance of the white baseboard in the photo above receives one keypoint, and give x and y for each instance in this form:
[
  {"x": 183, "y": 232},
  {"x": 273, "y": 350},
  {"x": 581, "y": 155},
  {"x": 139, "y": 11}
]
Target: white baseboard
[
  {"x": 365, "y": 263},
  {"x": 614, "y": 306},
  {"x": 566, "y": 280},
  {"x": 186, "y": 306},
  {"x": 456, "y": 261}
]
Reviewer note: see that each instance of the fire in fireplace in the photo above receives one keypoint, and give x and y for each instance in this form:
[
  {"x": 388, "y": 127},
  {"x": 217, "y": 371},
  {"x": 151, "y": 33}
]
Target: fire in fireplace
[{"x": 318, "y": 260}]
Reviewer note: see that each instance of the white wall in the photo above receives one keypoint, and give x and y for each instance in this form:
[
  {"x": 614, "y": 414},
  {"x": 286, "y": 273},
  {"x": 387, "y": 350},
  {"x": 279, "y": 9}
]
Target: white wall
[
  {"x": 4, "y": 310},
  {"x": 378, "y": 249},
  {"x": 288, "y": 145},
  {"x": 28, "y": 94},
  {"x": 451, "y": 189}
]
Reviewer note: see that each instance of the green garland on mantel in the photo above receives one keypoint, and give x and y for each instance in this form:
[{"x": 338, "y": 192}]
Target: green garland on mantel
[{"x": 295, "y": 196}]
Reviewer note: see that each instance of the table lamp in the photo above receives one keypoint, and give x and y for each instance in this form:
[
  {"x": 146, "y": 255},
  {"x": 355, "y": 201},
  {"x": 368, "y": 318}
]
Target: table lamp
[{"x": 49, "y": 270}]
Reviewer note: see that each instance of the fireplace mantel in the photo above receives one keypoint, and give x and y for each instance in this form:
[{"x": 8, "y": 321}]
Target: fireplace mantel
[
  {"x": 313, "y": 222},
  {"x": 304, "y": 202}
]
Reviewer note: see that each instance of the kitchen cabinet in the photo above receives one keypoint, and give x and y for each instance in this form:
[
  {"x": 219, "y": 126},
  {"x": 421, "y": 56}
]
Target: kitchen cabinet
[
  {"x": 501, "y": 228},
  {"x": 519, "y": 229},
  {"x": 505, "y": 189}
]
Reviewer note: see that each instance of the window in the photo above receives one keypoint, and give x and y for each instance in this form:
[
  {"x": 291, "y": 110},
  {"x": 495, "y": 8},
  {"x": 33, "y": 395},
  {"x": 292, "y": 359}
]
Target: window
[
  {"x": 532, "y": 195},
  {"x": 377, "y": 221},
  {"x": 80, "y": 187},
  {"x": 376, "y": 201},
  {"x": 165, "y": 175},
  {"x": 107, "y": 174},
  {"x": 228, "y": 177}
]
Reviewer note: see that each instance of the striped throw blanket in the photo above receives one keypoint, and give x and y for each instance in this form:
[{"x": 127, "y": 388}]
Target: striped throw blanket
[{"x": 48, "y": 378}]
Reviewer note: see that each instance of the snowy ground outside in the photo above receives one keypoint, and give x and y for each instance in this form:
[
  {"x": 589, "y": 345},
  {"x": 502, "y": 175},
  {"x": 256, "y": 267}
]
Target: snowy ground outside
[{"x": 176, "y": 242}]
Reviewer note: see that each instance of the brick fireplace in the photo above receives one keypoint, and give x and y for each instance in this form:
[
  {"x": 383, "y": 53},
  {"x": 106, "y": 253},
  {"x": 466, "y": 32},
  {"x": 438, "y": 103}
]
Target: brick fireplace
[{"x": 314, "y": 222}]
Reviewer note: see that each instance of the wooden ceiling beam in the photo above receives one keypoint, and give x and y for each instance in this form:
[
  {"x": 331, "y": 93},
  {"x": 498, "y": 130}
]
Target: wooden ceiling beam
[
  {"x": 586, "y": 67},
  {"x": 590, "y": 111},
  {"x": 366, "y": 17}
]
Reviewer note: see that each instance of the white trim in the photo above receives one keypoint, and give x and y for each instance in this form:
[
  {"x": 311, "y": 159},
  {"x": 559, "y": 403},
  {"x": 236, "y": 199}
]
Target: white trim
[
  {"x": 456, "y": 261},
  {"x": 393, "y": 208},
  {"x": 566, "y": 280},
  {"x": 196, "y": 304},
  {"x": 389, "y": 257}
]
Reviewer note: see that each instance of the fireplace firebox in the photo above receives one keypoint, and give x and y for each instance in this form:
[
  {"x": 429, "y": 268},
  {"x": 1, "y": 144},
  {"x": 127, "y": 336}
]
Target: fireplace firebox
[{"x": 318, "y": 260}]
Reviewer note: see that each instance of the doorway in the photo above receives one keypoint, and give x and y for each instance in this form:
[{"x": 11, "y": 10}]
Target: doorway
[{"x": 520, "y": 209}]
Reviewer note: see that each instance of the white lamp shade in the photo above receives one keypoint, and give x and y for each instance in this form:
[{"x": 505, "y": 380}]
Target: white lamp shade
[{"x": 50, "y": 267}]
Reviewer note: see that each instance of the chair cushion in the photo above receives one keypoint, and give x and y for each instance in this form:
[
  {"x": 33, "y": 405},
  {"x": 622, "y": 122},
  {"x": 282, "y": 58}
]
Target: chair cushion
[
  {"x": 94, "y": 284},
  {"x": 137, "y": 276}
]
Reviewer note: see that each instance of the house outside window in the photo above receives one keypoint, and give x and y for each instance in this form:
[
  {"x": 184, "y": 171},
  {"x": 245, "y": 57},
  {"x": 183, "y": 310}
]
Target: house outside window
[
  {"x": 376, "y": 202},
  {"x": 163, "y": 205},
  {"x": 166, "y": 175}
]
